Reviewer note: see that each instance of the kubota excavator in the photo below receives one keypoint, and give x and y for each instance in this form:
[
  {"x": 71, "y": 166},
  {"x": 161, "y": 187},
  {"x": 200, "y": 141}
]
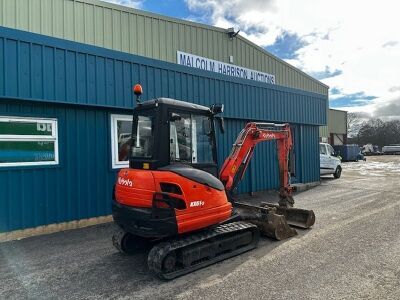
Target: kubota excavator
[{"x": 171, "y": 194}]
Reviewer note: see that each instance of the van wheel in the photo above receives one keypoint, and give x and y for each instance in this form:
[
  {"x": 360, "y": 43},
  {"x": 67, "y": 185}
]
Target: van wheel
[{"x": 338, "y": 172}]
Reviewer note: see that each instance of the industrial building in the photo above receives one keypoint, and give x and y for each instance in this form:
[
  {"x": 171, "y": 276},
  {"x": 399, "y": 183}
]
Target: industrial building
[
  {"x": 335, "y": 133},
  {"x": 67, "y": 68}
]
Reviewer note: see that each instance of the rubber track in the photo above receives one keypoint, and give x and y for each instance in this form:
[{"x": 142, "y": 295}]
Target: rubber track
[{"x": 159, "y": 252}]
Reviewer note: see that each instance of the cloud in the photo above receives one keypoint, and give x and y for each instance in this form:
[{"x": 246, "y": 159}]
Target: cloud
[
  {"x": 389, "y": 109},
  {"x": 129, "y": 3},
  {"x": 390, "y": 44},
  {"x": 352, "y": 46},
  {"x": 239, "y": 13},
  {"x": 286, "y": 45},
  {"x": 327, "y": 73},
  {"x": 393, "y": 89},
  {"x": 334, "y": 91},
  {"x": 351, "y": 100},
  {"x": 385, "y": 108},
  {"x": 356, "y": 96}
]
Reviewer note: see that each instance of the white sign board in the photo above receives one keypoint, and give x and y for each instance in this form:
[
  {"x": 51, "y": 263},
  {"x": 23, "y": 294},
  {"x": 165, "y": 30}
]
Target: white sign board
[{"x": 207, "y": 64}]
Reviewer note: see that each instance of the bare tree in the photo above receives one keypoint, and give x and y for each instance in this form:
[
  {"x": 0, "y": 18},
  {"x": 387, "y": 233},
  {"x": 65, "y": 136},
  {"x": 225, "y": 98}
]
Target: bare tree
[
  {"x": 355, "y": 121},
  {"x": 352, "y": 118},
  {"x": 378, "y": 132}
]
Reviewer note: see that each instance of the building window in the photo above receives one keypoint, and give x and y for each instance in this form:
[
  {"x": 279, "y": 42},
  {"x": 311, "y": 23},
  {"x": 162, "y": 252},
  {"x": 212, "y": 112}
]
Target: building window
[
  {"x": 121, "y": 128},
  {"x": 28, "y": 141}
]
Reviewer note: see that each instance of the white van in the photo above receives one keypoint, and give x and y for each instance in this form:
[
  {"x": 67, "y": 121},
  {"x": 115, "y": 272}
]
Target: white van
[{"x": 329, "y": 163}]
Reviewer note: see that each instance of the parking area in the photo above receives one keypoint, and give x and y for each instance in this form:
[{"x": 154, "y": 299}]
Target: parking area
[{"x": 353, "y": 251}]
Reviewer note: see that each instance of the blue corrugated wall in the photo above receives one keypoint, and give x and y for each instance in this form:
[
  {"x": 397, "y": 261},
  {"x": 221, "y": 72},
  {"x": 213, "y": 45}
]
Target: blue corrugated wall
[
  {"x": 82, "y": 85},
  {"x": 263, "y": 170},
  {"x": 79, "y": 187},
  {"x": 37, "y": 67}
]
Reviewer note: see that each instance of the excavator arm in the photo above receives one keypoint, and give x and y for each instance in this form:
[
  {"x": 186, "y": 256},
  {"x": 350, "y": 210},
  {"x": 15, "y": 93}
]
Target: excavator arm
[
  {"x": 272, "y": 220},
  {"x": 236, "y": 163}
]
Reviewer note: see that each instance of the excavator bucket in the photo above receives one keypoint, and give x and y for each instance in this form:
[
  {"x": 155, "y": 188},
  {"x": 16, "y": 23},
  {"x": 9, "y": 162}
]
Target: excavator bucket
[
  {"x": 275, "y": 226},
  {"x": 297, "y": 217},
  {"x": 274, "y": 221}
]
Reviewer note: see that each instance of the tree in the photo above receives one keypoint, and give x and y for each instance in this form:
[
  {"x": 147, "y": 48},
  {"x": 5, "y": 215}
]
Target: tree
[
  {"x": 354, "y": 122},
  {"x": 378, "y": 132}
]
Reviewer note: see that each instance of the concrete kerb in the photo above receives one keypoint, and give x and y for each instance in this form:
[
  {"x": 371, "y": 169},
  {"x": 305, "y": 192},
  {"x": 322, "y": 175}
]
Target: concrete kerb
[
  {"x": 52, "y": 228},
  {"x": 301, "y": 187}
]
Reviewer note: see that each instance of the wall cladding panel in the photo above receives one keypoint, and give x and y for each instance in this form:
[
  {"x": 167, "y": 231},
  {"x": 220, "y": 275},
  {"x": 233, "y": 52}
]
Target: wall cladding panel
[{"x": 79, "y": 187}]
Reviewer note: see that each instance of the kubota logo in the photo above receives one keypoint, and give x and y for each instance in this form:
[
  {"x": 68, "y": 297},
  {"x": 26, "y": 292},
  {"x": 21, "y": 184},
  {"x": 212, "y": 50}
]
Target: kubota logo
[
  {"x": 126, "y": 182},
  {"x": 268, "y": 136},
  {"x": 196, "y": 203}
]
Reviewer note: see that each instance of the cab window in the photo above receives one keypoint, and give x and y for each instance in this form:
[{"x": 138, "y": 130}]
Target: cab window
[
  {"x": 180, "y": 139},
  {"x": 202, "y": 140},
  {"x": 142, "y": 137},
  {"x": 191, "y": 139}
]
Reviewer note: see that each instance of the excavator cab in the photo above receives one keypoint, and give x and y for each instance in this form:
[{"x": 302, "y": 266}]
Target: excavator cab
[{"x": 167, "y": 132}]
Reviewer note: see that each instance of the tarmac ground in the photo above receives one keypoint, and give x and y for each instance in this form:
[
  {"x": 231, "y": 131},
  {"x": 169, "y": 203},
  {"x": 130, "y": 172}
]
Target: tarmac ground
[{"x": 352, "y": 252}]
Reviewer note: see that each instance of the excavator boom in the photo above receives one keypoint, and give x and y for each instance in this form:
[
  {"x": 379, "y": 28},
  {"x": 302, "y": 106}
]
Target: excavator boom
[{"x": 236, "y": 163}]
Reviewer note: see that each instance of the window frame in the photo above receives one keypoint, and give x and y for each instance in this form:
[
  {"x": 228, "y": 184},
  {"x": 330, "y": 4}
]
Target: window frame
[
  {"x": 32, "y": 138},
  {"x": 115, "y": 162}
]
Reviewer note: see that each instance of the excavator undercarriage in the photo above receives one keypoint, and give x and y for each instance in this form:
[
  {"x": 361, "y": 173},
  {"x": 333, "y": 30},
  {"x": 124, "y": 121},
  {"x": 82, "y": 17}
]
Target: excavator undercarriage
[{"x": 174, "y": 257}]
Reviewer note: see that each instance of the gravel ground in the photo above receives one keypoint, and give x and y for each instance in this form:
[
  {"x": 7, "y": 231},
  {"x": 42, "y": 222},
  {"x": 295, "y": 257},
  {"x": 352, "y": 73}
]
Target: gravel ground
[{"x": 352, "y": 252}]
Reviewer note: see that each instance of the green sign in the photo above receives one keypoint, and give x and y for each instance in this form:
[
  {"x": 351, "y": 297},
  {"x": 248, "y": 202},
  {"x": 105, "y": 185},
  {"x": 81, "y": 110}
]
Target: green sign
[
  {"x": 21, "y": 151},
  {"x": 25, "y": 128}
]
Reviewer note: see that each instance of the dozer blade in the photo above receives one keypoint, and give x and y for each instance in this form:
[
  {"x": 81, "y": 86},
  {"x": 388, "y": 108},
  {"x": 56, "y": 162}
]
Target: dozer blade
[
  {"x": 301, "y": 218},
  {"x": 267, "y": 220}
]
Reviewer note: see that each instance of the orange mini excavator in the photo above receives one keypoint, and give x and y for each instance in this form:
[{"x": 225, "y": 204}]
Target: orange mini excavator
[{"x": 172, "y": 197}]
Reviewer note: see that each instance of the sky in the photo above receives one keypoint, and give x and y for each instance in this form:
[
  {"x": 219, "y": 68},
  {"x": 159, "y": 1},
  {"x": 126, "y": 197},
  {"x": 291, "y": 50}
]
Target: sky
[{"x": 352, "y": 46}]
